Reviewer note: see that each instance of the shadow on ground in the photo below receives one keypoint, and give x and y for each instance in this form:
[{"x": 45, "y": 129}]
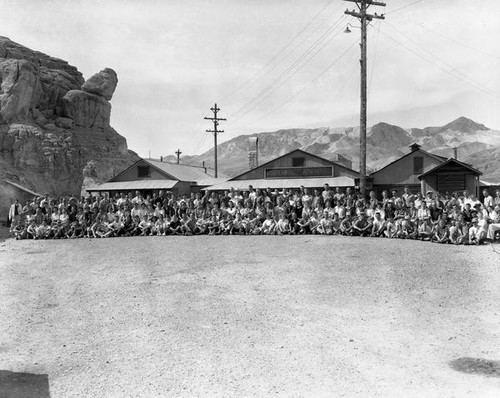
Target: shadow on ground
[
  {"x": 477, "y": 366},
  {"x": 23, "y": 385}
]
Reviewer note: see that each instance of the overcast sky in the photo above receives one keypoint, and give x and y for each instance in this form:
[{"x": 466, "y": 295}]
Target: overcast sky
[{"x": 270, "y": 64}]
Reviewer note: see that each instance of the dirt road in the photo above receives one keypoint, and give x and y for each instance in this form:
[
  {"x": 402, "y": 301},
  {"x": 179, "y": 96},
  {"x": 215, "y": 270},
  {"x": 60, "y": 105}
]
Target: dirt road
[{"x": 248, "y": 316}]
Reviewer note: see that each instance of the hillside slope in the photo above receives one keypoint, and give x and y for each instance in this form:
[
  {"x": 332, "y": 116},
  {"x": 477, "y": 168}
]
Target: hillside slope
[{"x": 476, "y": 144}]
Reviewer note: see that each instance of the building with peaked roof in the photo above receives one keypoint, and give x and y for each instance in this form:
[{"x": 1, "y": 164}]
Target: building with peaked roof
[
  {"x": 292, "y": 170},
  {"x": 150, "y": 175},
  {"x": 404, "y": 171},
  {"x": 422, "y": 171},
  {"x": 451, "y": 176}
]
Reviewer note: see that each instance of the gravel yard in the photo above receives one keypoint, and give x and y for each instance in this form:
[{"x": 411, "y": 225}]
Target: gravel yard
[{"x": 300, "y": 316}]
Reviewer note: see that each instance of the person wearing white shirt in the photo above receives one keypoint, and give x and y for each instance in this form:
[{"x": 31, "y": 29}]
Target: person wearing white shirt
[{"x": 488, "y": 199}]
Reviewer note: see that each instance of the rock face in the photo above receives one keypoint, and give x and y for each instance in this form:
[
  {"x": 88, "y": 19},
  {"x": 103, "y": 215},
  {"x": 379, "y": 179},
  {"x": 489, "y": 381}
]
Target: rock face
[
  {"x": 87, "y": 110},
  {"x": 90, "y": 177},
  {"x": 53, "y": 123},
  {"x": 102, "y": 83}
]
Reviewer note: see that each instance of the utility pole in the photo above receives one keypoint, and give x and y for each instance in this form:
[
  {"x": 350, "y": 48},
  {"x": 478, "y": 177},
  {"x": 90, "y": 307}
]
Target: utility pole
[
  {"x": 215, "y": 131},
  {"x": 364, "y": 18},
  {"x": 178, "y": 153}
]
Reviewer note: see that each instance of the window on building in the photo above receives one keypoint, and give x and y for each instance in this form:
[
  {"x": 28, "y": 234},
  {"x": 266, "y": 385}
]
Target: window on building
[
  {"x": 418, "y": 165},
  {"x": 298, "y": 162},
  {"x": 143, "y": 171}
]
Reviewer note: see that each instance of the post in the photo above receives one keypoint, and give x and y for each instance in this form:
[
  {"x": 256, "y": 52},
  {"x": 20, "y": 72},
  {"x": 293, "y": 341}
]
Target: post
[
  {"x": 178, "y": 153},
  {"x": 362, "y": 127},
  {"x": 215, "y": 131},
  {"x": 364, "y": 19}
]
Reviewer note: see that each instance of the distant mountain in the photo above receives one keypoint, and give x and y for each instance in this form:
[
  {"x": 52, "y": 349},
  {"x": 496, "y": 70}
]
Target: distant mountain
[{"x": 477, "y": 145}]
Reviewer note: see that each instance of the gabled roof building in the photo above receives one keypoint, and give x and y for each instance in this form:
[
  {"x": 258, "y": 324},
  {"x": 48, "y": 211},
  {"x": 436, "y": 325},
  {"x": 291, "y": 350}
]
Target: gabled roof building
[
  {"x": 423, "y": 171},
  {"x": 292, "y": 170},
  {"x": 154, "y": 175}
]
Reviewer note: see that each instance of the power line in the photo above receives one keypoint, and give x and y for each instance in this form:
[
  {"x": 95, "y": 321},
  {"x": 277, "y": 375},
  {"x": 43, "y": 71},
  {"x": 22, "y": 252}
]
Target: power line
[
  {"x": 403, "y": 7},
  {"x": 278, "y": 82},
  {"x": 464, "y": 78},
  {"x": 275, "y": 57},
  {"x": 450, "y": 72},
  {"x": 311, "y": 82},
  {"x": 458, "y": 42}
]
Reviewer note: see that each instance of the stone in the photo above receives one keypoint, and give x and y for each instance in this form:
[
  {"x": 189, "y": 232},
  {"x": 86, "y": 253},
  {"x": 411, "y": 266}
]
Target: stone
[
  {"x": 50, "y": 126},
  {"x": 64, "y": 122},
  {"x": 102, "y": 83},
  {"x": 87, "y": 110},
  {"x": 41, "y": 120}
]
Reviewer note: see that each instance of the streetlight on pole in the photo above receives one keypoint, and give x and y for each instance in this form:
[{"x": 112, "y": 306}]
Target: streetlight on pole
[{"x": 364, "y": 18}]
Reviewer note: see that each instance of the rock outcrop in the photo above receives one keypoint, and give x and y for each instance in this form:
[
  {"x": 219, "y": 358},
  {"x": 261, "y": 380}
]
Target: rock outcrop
[
  {"x": 87, "y": 110},
  {"x": 53, "y": 123},
  {"x": 102, "y": 83}
]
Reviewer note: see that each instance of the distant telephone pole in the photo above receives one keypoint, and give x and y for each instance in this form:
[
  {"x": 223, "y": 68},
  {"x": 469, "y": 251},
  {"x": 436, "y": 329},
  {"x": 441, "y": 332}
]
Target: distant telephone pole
[
  {"x": 364, "y": 18},
  {"x": 178, "y": 153},
  {"x": 215, "y": 131}
]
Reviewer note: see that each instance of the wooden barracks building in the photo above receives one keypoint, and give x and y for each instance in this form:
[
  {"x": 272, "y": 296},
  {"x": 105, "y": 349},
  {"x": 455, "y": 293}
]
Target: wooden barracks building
[
  {"x": 293, "y": 170},
  {"x": 423, "y": 171},
  {"x": 419, "y": 170},
  {"x": 148, "y": 175}
]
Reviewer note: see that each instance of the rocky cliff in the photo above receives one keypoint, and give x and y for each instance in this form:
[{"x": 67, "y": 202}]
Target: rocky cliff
[{"x": 53, "y": 123}]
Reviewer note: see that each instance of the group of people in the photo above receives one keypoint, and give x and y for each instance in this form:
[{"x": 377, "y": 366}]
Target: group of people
[{"x": 448, "y": 218}]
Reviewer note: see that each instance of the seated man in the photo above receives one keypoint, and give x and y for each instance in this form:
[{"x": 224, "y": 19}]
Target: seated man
[
  {"x": 362, "y": 226},
  {"x": 283, "y": 225},
  {"x": 476, "y": 233},
  {"x": 346, "y": 225},
  {"x": 325, "y": 226},
  {"x": 268, "y": 226},
  {"x": 408, "y": 228},
  {"x": 425, "y": 229},
  {"x": 458, "y": 233},
  {"x": 378, "y": 225},
  {"x": 440, "y": 233}
]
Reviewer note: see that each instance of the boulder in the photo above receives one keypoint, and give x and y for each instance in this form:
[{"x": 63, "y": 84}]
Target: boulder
[
  {"x": 102, "y": 83},
  {"x": 64, "y": 122},
  {"x": 87, "y": 110},
  {"x": 49, "y": 126}
]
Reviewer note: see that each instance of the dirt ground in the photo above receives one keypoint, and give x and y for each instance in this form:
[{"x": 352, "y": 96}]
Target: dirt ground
[{"x": 248, "y": 316}]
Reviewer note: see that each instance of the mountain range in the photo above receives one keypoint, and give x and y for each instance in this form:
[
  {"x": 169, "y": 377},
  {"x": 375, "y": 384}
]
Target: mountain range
[{"x": 476, "y": 144}]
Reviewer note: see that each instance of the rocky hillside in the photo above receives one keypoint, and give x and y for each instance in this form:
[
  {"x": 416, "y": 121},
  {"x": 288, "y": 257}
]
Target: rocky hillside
[
  {"x": 476, "y": 144},
  {"x": 53, "y": 123}
]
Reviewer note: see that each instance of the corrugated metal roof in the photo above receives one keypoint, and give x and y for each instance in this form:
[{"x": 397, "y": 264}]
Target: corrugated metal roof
[
  {"x": 284, "y": 183},
  {"x": 184, "y": 172},
  {"x": 134, "y": 185}
]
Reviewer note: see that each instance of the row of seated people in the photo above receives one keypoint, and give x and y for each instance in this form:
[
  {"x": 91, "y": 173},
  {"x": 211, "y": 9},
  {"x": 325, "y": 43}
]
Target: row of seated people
[{"x": 451, "y": 225}]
